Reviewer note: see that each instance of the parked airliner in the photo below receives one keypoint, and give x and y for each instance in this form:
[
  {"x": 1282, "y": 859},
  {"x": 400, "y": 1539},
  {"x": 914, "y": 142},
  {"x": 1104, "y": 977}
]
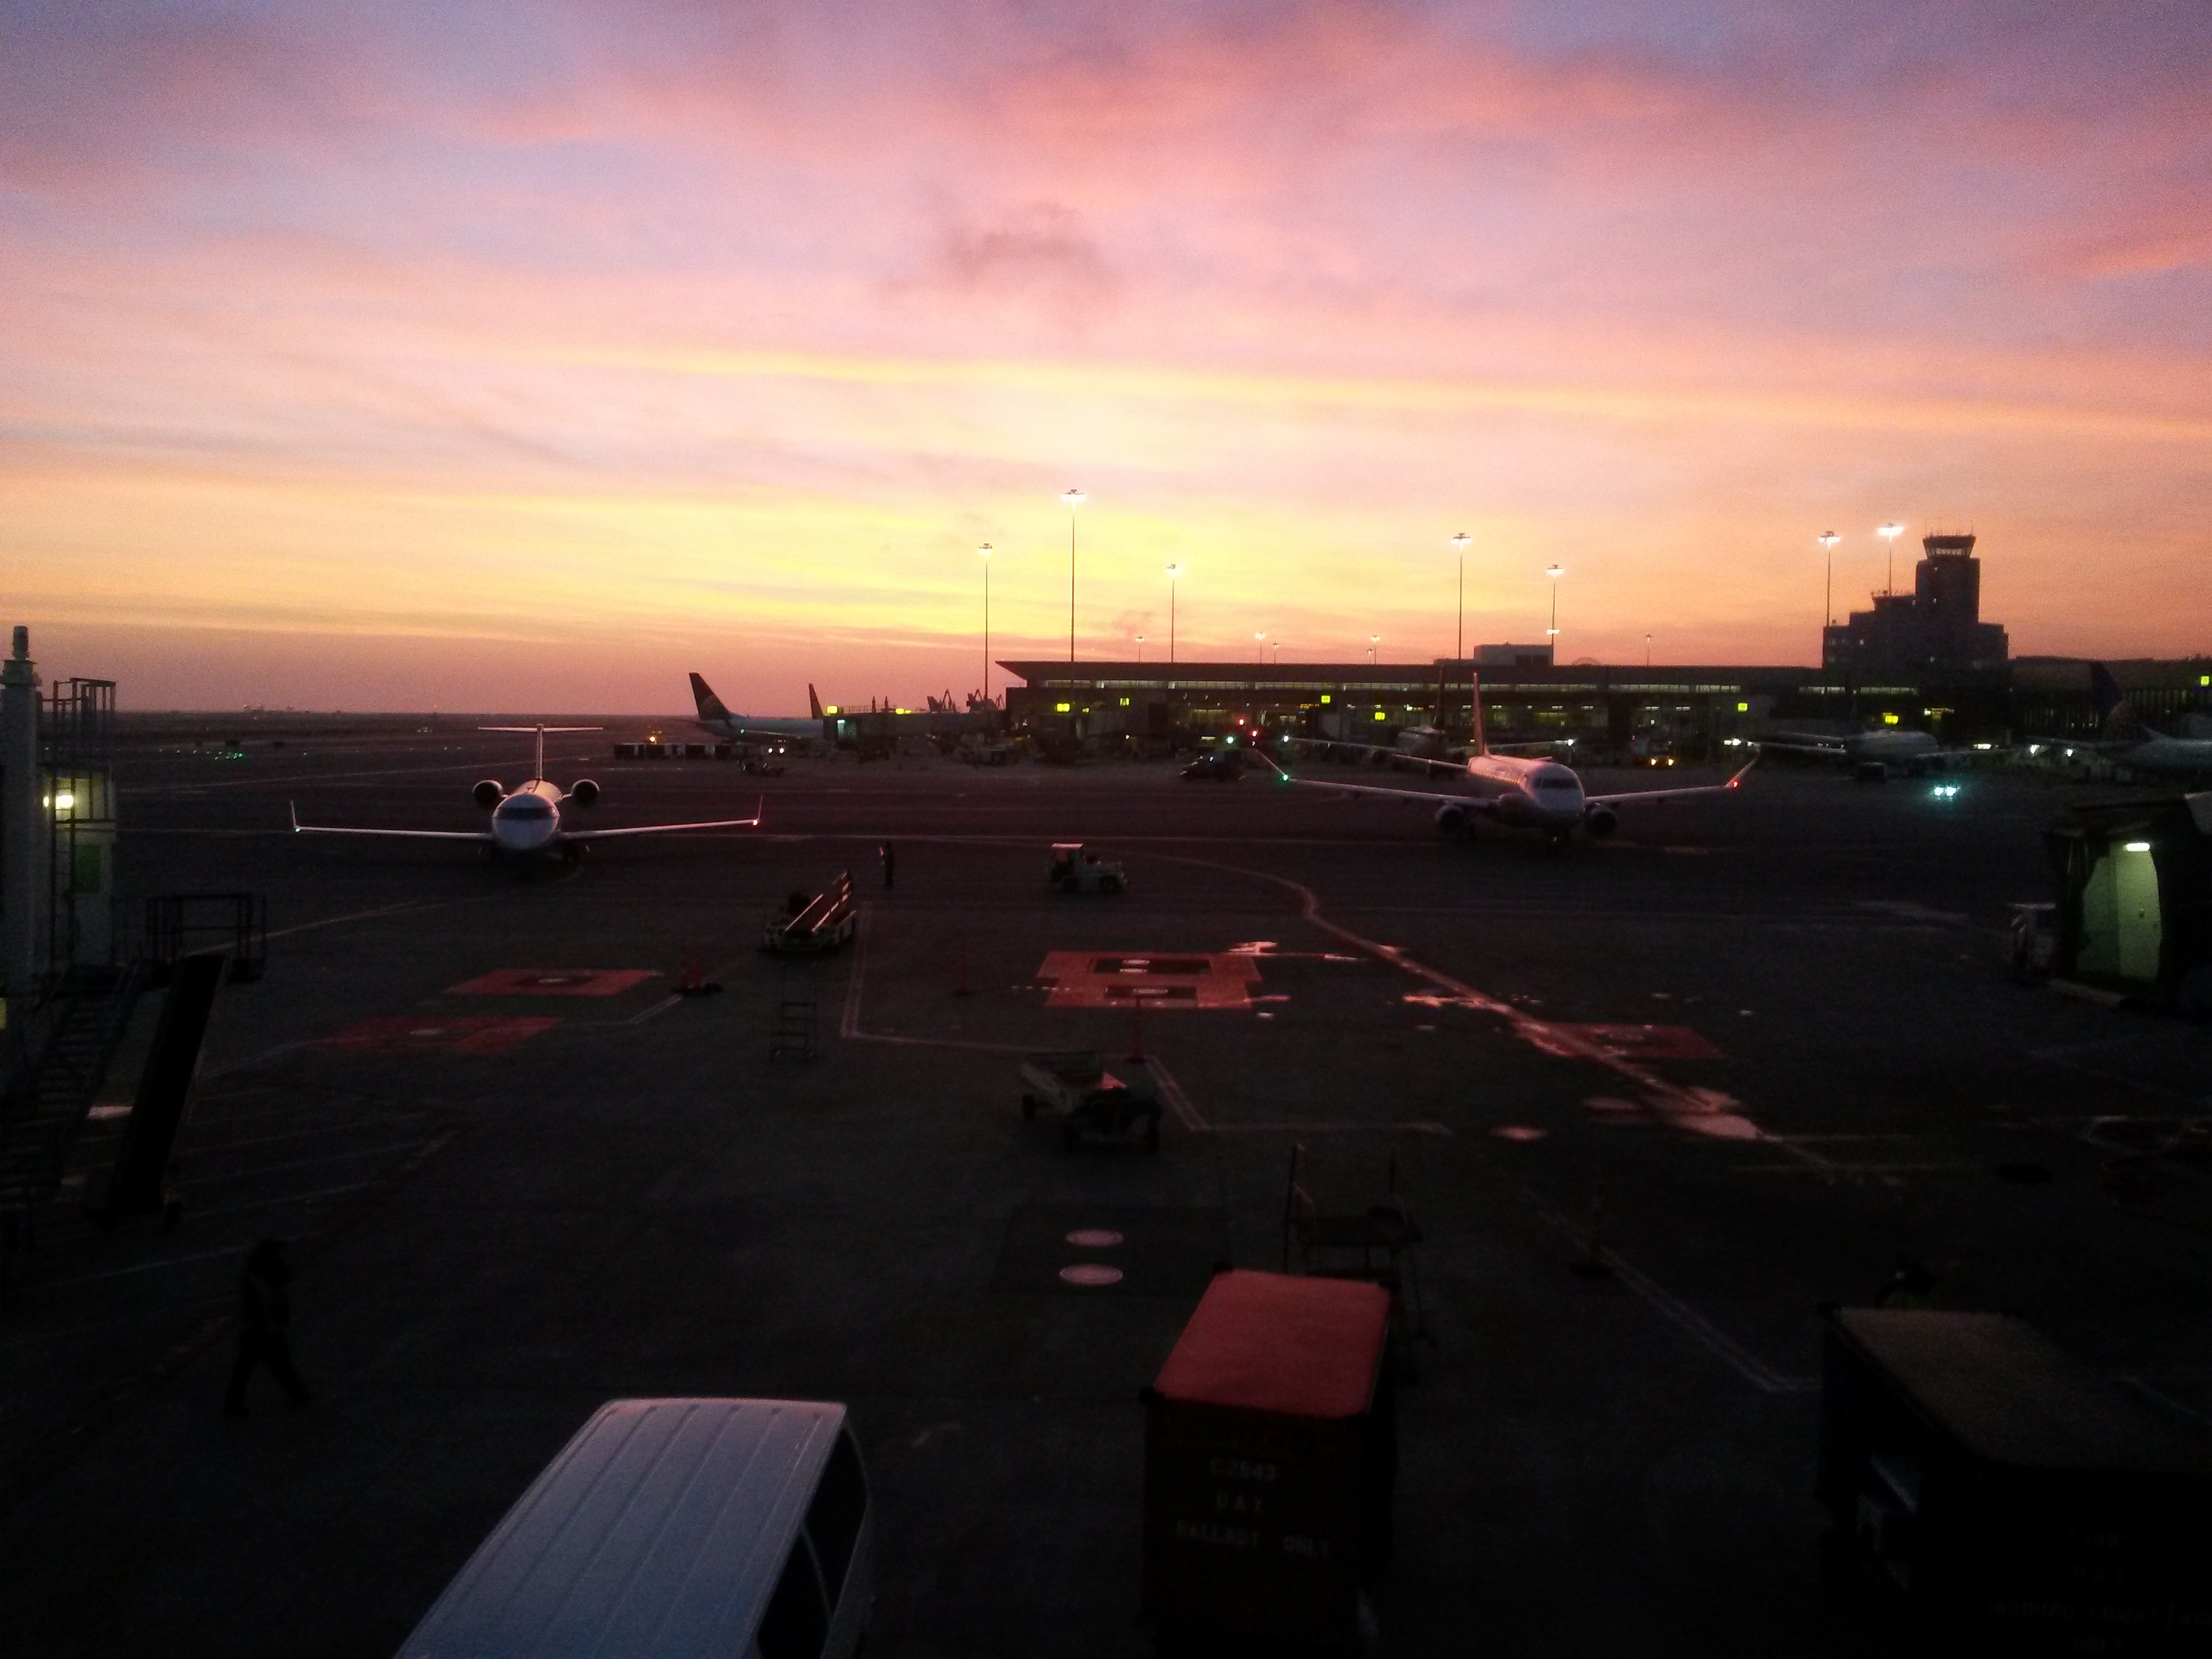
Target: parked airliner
[
  {"x": 2127, "y": 742},
  {"x": 1518, "y": 791},
  {"x": 529, "y": 823},
  {"x": 714, "y": 716},
  {"x": 1912, "y": 750}
]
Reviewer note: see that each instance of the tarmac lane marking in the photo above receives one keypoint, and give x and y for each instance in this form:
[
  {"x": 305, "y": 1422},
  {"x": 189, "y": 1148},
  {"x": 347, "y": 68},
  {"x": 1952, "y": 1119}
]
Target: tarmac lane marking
[
  {"x": 552, "y": 982},
  {"x": 463, "y": 1034},
  {"x": 1684, "y": 1105}
]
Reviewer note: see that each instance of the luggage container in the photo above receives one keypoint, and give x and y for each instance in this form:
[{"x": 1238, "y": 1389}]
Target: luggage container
[
  {"x": 1270, "y": 1456},
  {"x": 2003, "y": 1496}
]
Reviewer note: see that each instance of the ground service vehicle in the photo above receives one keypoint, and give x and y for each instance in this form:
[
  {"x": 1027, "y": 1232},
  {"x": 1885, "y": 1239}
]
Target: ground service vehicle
[
  {"x": 682, "y": 1528},
  {"x": 809, "y": 923},
  {"x": 1093, "y": 1100},
  {"x": 1075, "y": 869}
]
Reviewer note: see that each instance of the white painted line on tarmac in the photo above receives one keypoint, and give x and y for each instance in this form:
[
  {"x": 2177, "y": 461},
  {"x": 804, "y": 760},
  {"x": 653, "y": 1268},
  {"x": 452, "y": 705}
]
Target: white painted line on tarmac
[
  {"x": 1178, "y": 1102},
  {"x": 1416, "y": 1128}
]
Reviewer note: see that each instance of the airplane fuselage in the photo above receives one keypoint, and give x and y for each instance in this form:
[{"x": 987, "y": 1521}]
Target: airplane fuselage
[
  {"x": 1531, "y": 795},
  {"x": 527, "y": 823}
]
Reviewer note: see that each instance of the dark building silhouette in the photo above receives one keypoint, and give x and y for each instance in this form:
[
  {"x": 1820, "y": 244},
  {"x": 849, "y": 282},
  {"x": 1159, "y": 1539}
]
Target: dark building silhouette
[{"x": 1937, "y": 626}]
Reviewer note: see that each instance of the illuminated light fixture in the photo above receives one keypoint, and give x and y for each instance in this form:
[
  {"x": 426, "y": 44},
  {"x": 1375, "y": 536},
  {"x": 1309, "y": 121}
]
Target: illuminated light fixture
[
  {"x": 1890, "y": 533},
  {"x": 985, "y": 552},
  {"x": 65, "y": 802},
  {"x": 1554, "y": 572},
  {"x": 1459, "y": 628},
  {"x": 1074, "y": 498},
  {"x": 1828, "y": 538},
  {"x": 2135, "y": 847},
  {"x": 1173, "y": 570}
]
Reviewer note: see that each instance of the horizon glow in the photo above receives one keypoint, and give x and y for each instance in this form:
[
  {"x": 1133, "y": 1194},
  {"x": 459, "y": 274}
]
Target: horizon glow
[{"x": 389, "y": 357}]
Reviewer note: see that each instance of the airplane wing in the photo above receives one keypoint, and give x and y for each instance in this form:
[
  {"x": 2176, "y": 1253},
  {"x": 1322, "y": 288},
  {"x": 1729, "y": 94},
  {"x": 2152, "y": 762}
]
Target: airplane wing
[
  {"x": 667, "y": 829},
  {"x": 1653, "y": 795},
  {"x": 1474, "y": 805},
  {"x": 1399, "y": 754},
  {"x": 1796, "y": 745},
  {"x": 477, "y": 835}
]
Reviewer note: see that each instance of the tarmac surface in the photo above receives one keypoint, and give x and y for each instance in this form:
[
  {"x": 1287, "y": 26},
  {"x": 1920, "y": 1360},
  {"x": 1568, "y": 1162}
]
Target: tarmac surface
[{"x": 1740, "y": 1057}]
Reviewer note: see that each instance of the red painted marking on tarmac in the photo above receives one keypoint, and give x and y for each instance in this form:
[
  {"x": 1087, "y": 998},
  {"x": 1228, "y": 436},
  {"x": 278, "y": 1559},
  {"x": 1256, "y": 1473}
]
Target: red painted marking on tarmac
[
  {"x": 551, "y": 982},
  {"x": 1647, "y": 1042},
  {"x": 1091, "y": 979},
  {"x": 468, "y": 1033}
]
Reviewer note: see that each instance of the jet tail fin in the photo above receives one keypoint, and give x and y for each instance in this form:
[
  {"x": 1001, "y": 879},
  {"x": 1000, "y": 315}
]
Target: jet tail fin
[
  {"x": 813, "y": 702},
  {"x": 2115, "y": 718},
  {"x": 710, "y": 706}
]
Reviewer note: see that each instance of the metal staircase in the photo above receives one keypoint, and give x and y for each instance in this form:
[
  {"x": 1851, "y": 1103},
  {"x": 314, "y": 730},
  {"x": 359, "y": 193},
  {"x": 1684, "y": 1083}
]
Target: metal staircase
[{"x": 46, "y": 1105}]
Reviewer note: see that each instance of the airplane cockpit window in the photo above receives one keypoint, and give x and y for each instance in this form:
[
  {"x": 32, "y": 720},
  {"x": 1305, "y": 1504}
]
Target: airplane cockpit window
[
  {"x": 1548, "y": 778},
  {"x": 526, "y": 806}
]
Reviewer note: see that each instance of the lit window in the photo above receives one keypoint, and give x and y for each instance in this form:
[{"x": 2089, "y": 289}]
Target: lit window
[{"x": 1060, "y": 708}]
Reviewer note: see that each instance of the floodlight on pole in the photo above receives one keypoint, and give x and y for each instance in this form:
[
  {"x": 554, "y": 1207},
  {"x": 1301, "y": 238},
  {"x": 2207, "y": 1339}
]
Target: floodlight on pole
[
  {"x": 1459, "y": 623},
  {"x": 1141, "y": 647},
  {"x": 1173, "y": 570},
  {"x": 1074, "y": 498},
  {"x": 1889, "y": 533},
  {"x": 1260, "y": 648},
  {"x": 1828, "y": 538},
  {"x": 1373, "y": 640},
  {"x": 985, "y": 551},
  {"x": 1554, "y": 572}
]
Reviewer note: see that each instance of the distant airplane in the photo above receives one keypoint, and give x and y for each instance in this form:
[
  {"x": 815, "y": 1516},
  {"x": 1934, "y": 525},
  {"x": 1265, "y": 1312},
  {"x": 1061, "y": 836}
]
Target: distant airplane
[
  {"x": 2127, "y": 741},
  {"x": 1915, "y": 752},
  {"x": 529, "y": 824},
  {"x": 1517, "y": 791},
  {"x": 714, "y": 716}
]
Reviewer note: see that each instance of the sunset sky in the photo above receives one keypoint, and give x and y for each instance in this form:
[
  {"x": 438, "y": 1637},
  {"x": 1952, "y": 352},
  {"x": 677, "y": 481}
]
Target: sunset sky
[{"x": 433, "y": 354}]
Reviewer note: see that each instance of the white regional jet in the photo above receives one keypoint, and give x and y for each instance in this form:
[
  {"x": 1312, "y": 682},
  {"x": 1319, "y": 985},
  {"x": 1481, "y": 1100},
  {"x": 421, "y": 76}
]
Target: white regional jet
[
  {"x": 529, "y": 824},
  {"x": 1518, "y": 791}
]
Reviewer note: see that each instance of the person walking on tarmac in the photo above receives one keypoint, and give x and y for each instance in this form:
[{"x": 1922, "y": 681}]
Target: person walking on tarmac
[{"x": 264, "y": 1323}]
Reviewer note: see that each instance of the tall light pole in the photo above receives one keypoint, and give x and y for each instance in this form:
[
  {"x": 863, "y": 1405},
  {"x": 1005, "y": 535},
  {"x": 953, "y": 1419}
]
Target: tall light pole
[
  {"x": 1373, "y": 640},
  {"x": 1141, "y": 647},
  {"x": 1260, "y": 648},
  {"x": 1074, "y": 498},
  {"x": 985, "y": 551},
  {"x": 1554, "y": 572},
  {"x": 1890, "y": 533},
  {"x": 1647, "y": 651},
  {"x": 1459, "y": 623},
  {"x": 1828, "y": 538},
  {"x": 1173, "y": 570}
]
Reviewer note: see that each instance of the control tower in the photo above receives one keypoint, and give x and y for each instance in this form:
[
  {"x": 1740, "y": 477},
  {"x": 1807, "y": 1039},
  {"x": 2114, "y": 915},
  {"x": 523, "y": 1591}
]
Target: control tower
[{"x": 1937, "y": 626}]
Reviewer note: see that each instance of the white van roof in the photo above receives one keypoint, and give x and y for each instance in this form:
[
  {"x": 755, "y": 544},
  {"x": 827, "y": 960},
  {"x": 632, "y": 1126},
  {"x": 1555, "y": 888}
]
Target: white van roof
[{"x": 658, "y": 1529}]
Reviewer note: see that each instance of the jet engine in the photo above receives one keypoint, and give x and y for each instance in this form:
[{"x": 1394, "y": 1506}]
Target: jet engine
[
  {"x": 583, "y": 791},
  {"x": 489, "y": 794},
  {"x": 1451, "y": 820},
  {"x": 1599, "y": 823}
]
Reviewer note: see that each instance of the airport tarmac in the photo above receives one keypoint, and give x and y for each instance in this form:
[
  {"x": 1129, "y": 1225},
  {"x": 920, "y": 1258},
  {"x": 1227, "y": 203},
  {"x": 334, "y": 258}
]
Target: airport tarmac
[{"x": 1743, "y": 1054}]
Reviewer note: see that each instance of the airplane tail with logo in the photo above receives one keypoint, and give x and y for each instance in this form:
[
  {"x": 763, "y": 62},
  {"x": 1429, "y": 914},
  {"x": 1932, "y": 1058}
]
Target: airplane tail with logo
[
  {"x": 2114, "y": 717},
  {"x": 813, "y": 702},
  {"x": 711, "y": 707}
]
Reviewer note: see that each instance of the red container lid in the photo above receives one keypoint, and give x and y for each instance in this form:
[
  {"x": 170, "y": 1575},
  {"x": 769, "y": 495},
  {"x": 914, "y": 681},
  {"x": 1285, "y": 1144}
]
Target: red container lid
[{"x": 1271, "y": 1342}]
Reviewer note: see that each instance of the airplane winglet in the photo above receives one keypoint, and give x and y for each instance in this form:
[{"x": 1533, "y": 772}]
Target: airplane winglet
[
  {"x": 294, "y": 807},
  {"x": 760, "y": 811}
]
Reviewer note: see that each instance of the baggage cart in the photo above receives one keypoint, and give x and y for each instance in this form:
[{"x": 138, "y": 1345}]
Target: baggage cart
[
  {"x": 1091, "y": 1100},
  {"x": 1270, "y": 1457},
  {"x": 809, "y": 924}
]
